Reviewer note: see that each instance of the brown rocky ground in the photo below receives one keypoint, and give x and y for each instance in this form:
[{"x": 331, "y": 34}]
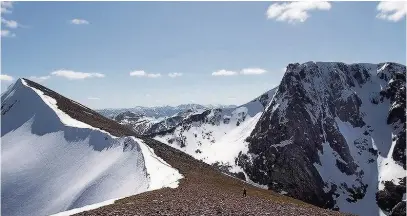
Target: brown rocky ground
[{"x": 204, "y": 190}]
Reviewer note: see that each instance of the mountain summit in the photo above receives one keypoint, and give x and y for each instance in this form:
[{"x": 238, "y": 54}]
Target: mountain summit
[
  {"x": 59, "y": 155},
  {"x": 334, "y": 136}
]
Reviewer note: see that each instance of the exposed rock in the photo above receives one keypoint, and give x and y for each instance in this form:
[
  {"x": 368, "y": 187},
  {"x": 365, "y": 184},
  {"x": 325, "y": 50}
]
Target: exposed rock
[
  {"x": 399, "y": 209},
  {"x": 391, "y": 195},
  {"x": 303, "y": 125}
]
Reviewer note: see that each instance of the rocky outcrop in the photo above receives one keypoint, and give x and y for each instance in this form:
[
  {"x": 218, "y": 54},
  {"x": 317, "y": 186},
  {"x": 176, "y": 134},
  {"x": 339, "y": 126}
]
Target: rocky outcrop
[
  {"x": 391, "y": 196},
  {"x": 396, "y": 93},
  {"x": 316, "y": 140},
  {"x": 399, "y": 209}
]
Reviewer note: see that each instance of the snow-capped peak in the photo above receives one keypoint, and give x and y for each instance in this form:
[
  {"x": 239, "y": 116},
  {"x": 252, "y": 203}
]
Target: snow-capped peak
[{"x": 58, "y": 155}]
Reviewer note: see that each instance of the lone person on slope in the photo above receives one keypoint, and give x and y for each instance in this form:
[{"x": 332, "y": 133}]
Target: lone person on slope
[{"x": 244, "y": 192}]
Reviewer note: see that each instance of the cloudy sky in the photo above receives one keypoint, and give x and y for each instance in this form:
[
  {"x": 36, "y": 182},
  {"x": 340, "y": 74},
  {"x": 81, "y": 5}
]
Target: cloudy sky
[{"x": 124, "y": 54}]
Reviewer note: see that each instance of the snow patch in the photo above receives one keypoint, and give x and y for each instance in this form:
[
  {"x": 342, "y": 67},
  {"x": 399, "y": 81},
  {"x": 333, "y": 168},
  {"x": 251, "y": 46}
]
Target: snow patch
[
  {"x": 283, "y": 192},
  {"x": 284, "y": 143},
  {"x": 161, "y": 174},
  {"x": 229, "y": 140}
]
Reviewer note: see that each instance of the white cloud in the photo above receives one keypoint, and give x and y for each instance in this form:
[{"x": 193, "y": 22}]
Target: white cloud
[
  {"x": 138, "y": 73},
  {"x": 73, "y": 75},
  {"x": 4, "y": 77},
  {"x": 392, "y": 10},
  {"x": 295, "y": 11},
  {"x": 173, "y": 75},
  {"x": 224, "y": 73},
  {"x": 154, "y": 75},
  {"x": 6, "y": 7},
  {"x": 7, "y": 33},
  {"x": 9, "y": 23},
  {"x": 93, "y": 98},
  {"x": 79, "y": 22},
  {"x": 5, "y": 10},
  {"x": 253, "y": 71},
  {"x": 39, "y": 79},
  {"x": 141, "y": 73},
  {"x": 148, "y": 95}
]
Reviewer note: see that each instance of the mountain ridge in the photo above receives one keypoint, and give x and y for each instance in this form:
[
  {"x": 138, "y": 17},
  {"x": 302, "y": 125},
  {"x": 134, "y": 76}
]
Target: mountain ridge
[{"x": 55, "y": 162}]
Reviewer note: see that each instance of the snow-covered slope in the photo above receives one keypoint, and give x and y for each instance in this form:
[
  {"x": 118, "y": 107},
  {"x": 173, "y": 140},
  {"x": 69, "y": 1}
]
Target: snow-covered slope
[
  {"x": 216, "y": 136},
  {"x": 334, "y": 136},
  {"x": 53, "y": 161}
]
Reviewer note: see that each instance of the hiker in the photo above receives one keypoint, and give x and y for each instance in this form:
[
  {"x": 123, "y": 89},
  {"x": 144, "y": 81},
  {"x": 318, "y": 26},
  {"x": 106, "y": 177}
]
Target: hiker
[{"x": 244, "y": 192}]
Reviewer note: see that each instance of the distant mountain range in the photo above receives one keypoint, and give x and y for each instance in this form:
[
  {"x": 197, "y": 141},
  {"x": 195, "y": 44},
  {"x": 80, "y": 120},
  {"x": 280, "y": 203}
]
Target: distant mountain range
[{"x": 158, "y": 111}]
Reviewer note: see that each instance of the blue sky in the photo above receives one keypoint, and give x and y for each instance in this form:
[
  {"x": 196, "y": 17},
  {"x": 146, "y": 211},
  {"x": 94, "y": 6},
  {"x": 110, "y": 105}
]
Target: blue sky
[{"x": 87, "y": 50}]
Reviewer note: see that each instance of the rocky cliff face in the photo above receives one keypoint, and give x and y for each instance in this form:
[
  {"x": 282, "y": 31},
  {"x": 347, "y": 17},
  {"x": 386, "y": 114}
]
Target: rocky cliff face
[{"x": 333, "y": 134}]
